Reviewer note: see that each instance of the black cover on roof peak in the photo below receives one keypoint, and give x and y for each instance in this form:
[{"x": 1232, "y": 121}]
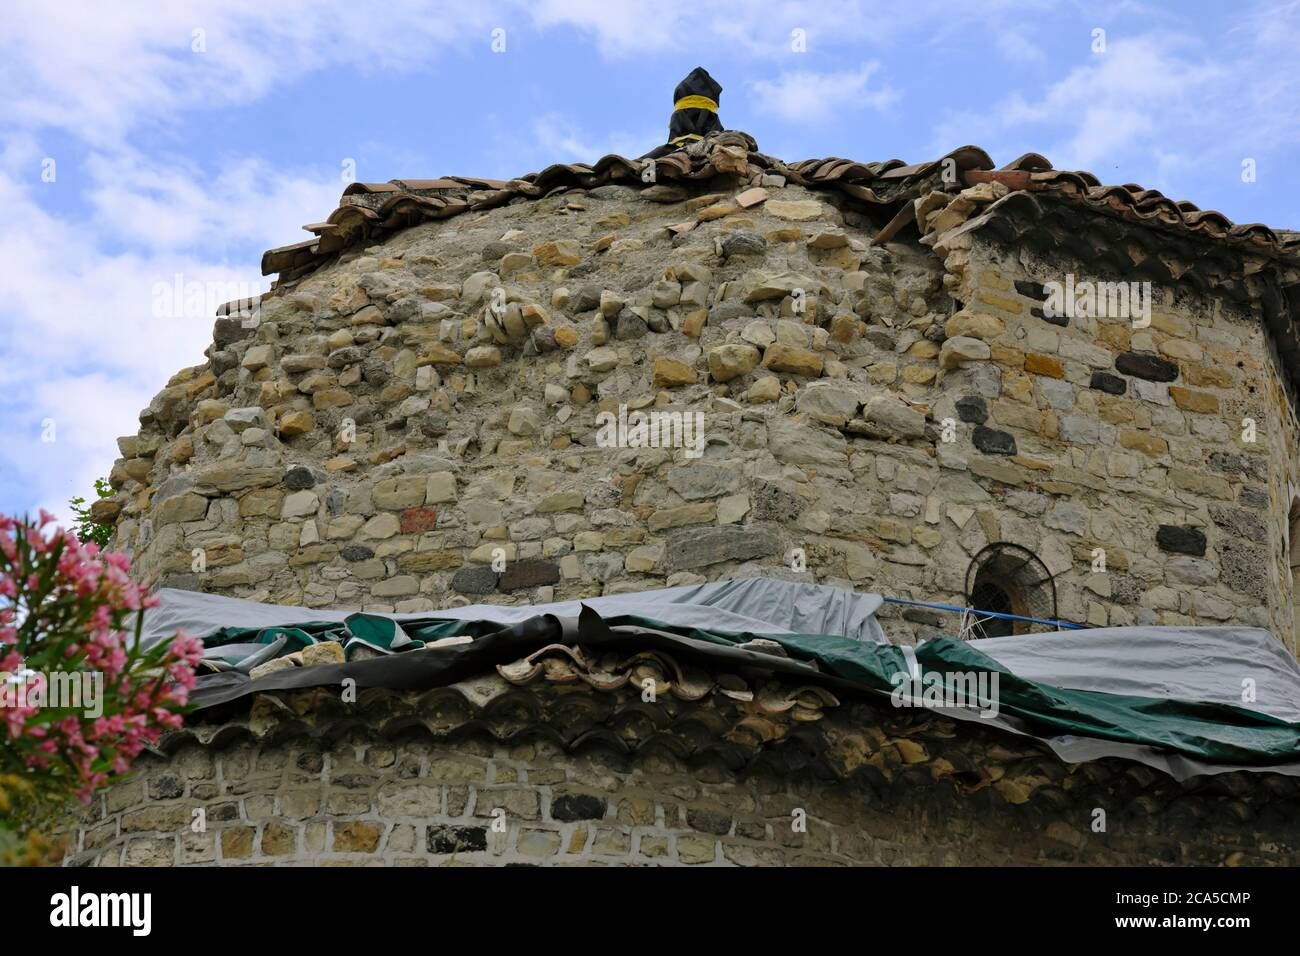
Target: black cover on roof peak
[
  {"x": 693, "y": 123},
  {"x": 698, "y": 83}
]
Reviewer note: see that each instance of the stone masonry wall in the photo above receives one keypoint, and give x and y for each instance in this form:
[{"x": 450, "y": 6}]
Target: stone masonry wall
[
  {"x": 365, "y": 801},
  {"x": 397, "y": 419},
  {"x": 1131, "y": 440}
]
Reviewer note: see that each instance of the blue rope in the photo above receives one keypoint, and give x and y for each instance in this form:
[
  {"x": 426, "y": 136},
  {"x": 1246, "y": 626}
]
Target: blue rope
[{"x": 1066, "y": 625}]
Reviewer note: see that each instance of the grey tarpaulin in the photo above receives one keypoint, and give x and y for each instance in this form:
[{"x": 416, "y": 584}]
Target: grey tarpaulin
[
  {"x": 1241, "y": 666},
  {"x": 1220, "y": 665},
  {"x": 755, "y": 605}
]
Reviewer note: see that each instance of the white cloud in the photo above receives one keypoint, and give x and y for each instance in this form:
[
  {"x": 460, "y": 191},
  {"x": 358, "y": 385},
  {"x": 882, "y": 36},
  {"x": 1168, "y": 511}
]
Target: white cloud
[
  {"x": 1150, "y": 97},
  {"x": 82, "y": 343},
  {"x": 802, "y": 96},
  {"x": 1017, "y": 47},
  {"x": 243, "y": 203},
  {"x": 81, "y": 346},
  {"x": 72, "y": 65},
  {"x": 636, "y": 28},
  {"x": 559, "y": 138}
]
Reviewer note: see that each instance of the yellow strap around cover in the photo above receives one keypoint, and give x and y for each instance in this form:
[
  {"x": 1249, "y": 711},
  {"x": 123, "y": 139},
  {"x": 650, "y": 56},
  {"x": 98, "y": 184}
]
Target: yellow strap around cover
[
  {"x": 696, "y": 103},
  {"x": 678, "y": 140}
]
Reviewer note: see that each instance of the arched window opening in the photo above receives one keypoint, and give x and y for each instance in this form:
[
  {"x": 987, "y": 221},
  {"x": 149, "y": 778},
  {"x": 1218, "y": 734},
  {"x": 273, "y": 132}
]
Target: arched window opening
[{"x": 1006, "y": 578}]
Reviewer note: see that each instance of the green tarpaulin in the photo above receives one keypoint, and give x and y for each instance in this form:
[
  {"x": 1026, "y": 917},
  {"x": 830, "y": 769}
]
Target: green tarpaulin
[{"x": 1204, "y": 731}]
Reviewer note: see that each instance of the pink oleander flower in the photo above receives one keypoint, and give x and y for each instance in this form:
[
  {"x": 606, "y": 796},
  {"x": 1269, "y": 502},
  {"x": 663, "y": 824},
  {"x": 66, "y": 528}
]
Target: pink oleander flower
[{"x": 67, "y": 606}]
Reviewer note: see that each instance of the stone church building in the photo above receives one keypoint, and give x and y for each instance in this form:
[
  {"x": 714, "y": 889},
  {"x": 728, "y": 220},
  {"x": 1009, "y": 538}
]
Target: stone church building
[{"x": 1007, "y": 387}]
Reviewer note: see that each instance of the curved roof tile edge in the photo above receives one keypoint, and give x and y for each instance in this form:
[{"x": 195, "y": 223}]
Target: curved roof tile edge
[{"x": 409, "y": 202}]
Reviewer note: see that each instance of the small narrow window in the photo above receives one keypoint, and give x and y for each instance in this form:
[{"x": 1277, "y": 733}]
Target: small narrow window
[{"x": 1007, "y": 579}]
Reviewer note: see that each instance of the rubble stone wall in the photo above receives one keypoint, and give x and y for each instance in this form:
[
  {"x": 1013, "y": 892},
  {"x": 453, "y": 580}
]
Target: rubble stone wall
[
  {"x": 1139, "y": 442},
  {"x": 418, "y": 423},
  {"x": 366, "y": 801}
]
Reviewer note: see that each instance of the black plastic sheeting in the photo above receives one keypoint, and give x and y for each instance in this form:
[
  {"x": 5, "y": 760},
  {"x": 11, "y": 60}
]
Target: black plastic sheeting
[
  {"x": 691, "y": 122},
  {"x": 438, "y": 666}
]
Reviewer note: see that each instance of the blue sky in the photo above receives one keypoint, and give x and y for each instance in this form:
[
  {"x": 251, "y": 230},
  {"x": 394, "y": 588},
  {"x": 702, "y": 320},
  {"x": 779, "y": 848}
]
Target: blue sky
[{"x": 184, "y": 153}]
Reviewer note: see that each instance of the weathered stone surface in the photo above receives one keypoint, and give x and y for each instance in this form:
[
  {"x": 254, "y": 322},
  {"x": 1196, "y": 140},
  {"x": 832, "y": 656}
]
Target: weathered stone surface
[
  {"x": 1238, "y": 521},
  {"x": 701, "y": 480},
  {"x": 185, "y": 507},
  {"x": 562, "y": 252},
  {"x": 483, "y": 356},
  {"x": 765, "y": 389},
  {"x": 1105, "y": 382},
  {"x": 270, "y": 667},
  {"x": 474, "y": 581},
  {"x": 230, "y": 477},
  {"x": 797, "y": 443},
  {"x": 993, "y": 442},
  {"x": 419, "y": 520},
  {"x": 893, "y": 417},
  {"x": 299, "y": 503},
  {"x": 1179, "y": 540},
  {"x": 1191, "y": 571},
  {"x": 427, "y": 562},
  {"x": 699, "y": 513},
  {"x": 105, "y": 511},
  {"x": 796, "y": 210},
  {"x": 975, "y": 325},
  {"x": 578, "y": 806},
  {"x": 528, "y": 574},
  {"x": 664, "y": 193},
  {"x": 1046, "y": 365},
  {"x": 796, "y": 361},
  {"x": 323, "y": 652},
  {"x": 774, "y": 503},
  {"x": 960, "y": 350},
  {"x": 972, "y": 408},
  {"x": 1191, "y": 400},
  {"x": 258, "y": 357},
  {"x": 1244, "y": 568},
  {"x": 1150, "y": 445},
  {"x": 731, "y": 361},
  {"x": 299, "y": 478},
  {"x": 602, "y": 359},
  {"x": 440, "y": 488},
  {"x": 829, "y": 402},
  {"x": 523, "y": 421},
  {"x": 700, "y": 547},
  {"x": 670, "y": 373},
  {"x": 1148, "y": 367},
  {"x": 405, "y": 491},
  {"x": 743, "y": 244},
  {"x": 777, "y": 285},
  {"x": 629, "y": 325},
  {"x": 227, "y": 331},
  {"x": 296, "y": 423},
  {"x": 456, "y": 839}
]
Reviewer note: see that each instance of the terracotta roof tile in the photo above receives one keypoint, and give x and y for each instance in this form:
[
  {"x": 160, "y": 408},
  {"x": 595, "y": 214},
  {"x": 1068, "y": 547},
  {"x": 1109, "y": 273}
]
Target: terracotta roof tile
[
  {"x": 587, "y": 697},
  {"x": 369, "y": 211}
]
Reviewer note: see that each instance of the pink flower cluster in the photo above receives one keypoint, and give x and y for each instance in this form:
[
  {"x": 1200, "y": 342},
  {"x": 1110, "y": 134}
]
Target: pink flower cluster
[{"x": 65, "y": 607}]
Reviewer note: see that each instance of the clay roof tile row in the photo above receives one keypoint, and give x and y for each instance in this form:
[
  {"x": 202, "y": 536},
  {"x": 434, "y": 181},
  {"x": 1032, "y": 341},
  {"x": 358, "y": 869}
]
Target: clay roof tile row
[{"x": 369, "y": 211}]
